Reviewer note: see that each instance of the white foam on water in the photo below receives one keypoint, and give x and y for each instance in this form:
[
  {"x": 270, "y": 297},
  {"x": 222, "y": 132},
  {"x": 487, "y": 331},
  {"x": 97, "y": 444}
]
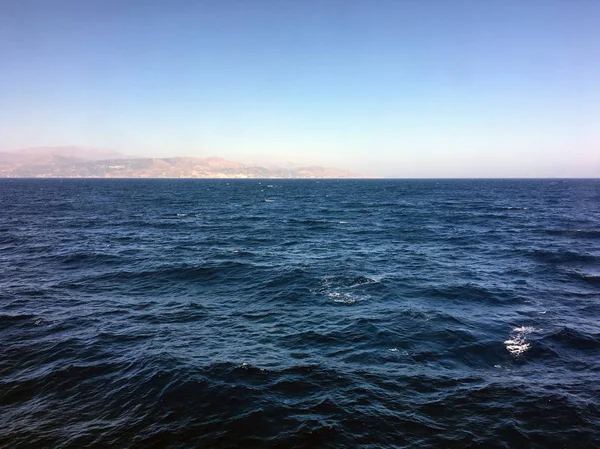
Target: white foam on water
[
  {"x": 345, "y": 300},
  {"x": 342, "y": 298},
  {"x": 366, "y": 281},
  {"x": 399, "y": 351},
  {"x": 524, "y": 329},
  {"x": 246, "y": 365},
  {"x": 517, "y": 346},
  {"x": 517, "y": 343},
  {"x": 337, "y": 288}
]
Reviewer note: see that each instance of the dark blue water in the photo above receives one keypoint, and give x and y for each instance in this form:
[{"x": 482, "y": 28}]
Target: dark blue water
[{"x": 281, "y": 313}]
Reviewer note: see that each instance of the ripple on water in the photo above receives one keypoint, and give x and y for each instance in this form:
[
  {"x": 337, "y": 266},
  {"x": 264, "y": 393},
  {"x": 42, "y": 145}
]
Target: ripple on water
[{"x": 355, "y": 313}]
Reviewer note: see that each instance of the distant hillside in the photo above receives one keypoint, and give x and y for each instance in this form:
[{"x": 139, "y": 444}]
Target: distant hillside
[{"x": 85, "y": 162}]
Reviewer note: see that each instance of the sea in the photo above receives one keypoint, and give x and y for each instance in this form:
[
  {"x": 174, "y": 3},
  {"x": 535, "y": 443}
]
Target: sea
[{"x": 275, "y": 313}]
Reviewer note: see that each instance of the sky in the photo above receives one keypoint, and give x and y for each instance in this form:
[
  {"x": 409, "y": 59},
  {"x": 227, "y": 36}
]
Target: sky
[{"x": 399, "y": 88}]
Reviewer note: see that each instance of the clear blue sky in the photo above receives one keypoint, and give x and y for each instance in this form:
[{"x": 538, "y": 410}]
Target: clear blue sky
[{"x": 391, "y": 88}]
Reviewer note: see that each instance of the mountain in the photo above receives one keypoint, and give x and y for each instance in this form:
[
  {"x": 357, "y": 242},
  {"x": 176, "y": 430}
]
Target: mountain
[{"x": 87, "y": 162}]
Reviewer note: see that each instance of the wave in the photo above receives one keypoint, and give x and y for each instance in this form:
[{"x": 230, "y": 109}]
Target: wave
[
  {"x": 574, "y": 233},
  {"x": 87, "y": 258},
  {"x": 472, "y": 292},
  {"x": 167, "y": 315},
  {"x": 345, "y": 281},
  {"x": 561, "y": 257},
  {"x": 518, "y": 342},
  {"x": 574, "y": 339},
  {"x": 311, "y": 224},
  {"x": 592, "y": 278},
  {"x": 239, "y": 403},
  {"x": 174, "y": 314},
  {"x": 8, "y": 321},
  {"x": 210, "y": 271}
]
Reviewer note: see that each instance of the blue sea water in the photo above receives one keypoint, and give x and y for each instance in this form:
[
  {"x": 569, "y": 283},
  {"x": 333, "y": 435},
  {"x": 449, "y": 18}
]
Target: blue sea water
[{"x": 300, "y": 313}]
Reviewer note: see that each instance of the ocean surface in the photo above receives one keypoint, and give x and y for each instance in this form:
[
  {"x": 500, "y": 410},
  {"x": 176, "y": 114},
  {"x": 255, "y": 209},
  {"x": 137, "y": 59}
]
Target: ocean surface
[{"x": 300, "y": 313}]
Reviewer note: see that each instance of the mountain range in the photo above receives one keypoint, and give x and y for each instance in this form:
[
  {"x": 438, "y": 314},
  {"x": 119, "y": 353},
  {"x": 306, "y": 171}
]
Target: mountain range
[{"x": 89, "y": 162}]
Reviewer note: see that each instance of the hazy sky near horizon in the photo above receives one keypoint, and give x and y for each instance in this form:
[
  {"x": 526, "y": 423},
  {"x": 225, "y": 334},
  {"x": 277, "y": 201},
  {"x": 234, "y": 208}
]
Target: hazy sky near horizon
[{"x": 391, "y": 88}]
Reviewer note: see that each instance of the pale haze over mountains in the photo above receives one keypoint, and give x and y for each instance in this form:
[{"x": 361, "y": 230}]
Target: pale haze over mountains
[
  {"x": 392, "y": 88},
  {"x": 90, "y": 162}
]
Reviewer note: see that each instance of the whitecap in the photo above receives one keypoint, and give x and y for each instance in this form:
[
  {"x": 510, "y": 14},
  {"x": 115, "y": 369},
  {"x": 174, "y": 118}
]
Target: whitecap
[
  {"x": 517, "y": 343},
  {"x": 364, "y": 281},
  {"x": 342, "y": 298},
  {"x": 524, "y": 329},
  {"x": 517, "y": 346},
  {"x": 400, "y": 351},
  {"x": 345, "y": 300}
]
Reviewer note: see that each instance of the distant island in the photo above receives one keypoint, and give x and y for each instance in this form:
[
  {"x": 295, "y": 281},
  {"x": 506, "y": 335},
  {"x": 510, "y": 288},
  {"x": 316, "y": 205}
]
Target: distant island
[{"x": 87, "y": 162}]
